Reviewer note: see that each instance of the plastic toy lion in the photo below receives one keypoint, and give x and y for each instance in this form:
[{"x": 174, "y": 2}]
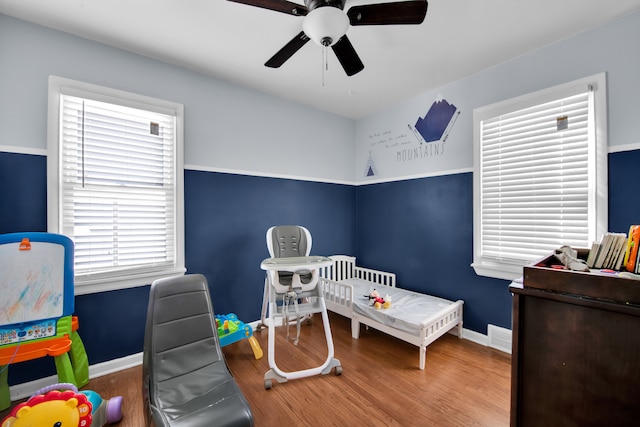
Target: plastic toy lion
[{"x": 67, "y": 408}]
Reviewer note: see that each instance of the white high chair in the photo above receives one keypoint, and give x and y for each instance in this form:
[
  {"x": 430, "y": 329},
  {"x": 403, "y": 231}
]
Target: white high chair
[{"x": 291, "y": 288}]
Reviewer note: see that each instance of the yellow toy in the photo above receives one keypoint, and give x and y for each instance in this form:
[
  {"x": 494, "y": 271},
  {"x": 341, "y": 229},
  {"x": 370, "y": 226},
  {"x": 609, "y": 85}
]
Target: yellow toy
[
  {"x": 62, "y": 405},
  {"x": 56, "y": 408}
]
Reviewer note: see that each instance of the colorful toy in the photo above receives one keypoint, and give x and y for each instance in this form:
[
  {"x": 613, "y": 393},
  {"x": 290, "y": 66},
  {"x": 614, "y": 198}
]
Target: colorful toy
[
  {"x": 36, "y": 308},
  {"x": 232, "y": 329},
  {"x": 377, "y": 301},
  {"x": 62, "y": 405},
  {"x": 105, "y": 411}
]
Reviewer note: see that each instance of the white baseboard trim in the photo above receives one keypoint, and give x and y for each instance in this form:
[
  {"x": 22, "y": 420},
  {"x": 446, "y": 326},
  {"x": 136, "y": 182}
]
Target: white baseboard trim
[
  {"x": 497, "y": 338},
  {"x": 20, "y": 391},
  {"x": 475, "y": 337}
]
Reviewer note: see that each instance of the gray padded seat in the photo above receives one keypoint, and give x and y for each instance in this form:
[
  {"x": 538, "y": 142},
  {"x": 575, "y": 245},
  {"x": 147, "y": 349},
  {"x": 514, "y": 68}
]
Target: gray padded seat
[
  {"x": 290, "y": 241},
  {"x": 186, "y": 381}
]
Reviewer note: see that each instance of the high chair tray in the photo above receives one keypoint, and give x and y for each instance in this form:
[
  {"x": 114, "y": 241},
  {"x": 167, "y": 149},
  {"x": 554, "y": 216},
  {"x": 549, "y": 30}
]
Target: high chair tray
[{"x": 294, "y": 264}]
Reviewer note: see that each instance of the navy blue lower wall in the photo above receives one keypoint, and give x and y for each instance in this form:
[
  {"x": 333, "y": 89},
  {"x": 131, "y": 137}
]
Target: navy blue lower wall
[
  {"x": 420, "y": 229},
  {"x": 226, "y": 218},
  {"x": 624, "y": 201}
]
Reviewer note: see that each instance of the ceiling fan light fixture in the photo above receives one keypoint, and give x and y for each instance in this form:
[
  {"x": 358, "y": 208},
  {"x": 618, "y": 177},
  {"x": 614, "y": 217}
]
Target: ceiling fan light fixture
[{"x": 325, "y": 25}]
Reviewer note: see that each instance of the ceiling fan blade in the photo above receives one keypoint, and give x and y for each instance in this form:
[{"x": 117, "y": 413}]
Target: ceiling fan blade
[
  {"x": 288, "y": 50},
  {"x": 396, "y": 13},
  {"x": 277, "y": 5},
  {"x": 347, "y": 56}
]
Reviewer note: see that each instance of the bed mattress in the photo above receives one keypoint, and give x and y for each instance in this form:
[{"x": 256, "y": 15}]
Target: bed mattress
[{"x": 408, "y": 309}]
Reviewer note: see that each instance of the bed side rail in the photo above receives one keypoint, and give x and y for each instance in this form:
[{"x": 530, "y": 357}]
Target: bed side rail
[
  {"x": 341, "y": 269},
  {"x": 442, "y": 322},
  {"x": 344, "y": 267},
  {"x": 375, "y": 276},
  {"x": 336, "y": 293}
]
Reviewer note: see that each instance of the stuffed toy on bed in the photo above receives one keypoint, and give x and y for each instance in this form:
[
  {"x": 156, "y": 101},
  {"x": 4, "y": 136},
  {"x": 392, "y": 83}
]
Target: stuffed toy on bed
[{"x": 377, "y": 301}]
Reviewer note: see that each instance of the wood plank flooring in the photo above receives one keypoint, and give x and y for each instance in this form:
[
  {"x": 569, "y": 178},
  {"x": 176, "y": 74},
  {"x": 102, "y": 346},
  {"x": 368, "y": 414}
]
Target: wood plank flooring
[{"x": 464, "y": 384}]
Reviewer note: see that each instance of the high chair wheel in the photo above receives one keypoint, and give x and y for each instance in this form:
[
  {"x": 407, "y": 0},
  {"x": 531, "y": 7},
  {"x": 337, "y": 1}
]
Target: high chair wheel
[
  {"x": 338, "y": 370},
  {"x": 267, "y": 384}
]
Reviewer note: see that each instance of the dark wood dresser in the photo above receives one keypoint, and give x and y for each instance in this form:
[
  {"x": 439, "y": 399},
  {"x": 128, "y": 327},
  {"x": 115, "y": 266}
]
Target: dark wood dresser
[{"x": 576, "y": 348}]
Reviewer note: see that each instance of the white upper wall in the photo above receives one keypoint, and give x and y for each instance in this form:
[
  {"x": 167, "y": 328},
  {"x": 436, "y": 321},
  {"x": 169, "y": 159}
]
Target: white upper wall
[
  {"x": 233, "y": 129},
  {"x": 227, "y": 128},
  {"x": 387, "y": 141}
]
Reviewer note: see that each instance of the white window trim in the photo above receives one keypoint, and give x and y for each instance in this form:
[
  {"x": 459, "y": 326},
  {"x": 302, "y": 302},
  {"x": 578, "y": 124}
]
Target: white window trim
[
  {"x": 58, "y": 86},
  {"x": 599, "y": 195}
]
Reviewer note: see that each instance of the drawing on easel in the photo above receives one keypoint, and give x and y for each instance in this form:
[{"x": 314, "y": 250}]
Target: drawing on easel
[
  {"x": 31, "y": 290},
  {"x": 37, "y": 278}
]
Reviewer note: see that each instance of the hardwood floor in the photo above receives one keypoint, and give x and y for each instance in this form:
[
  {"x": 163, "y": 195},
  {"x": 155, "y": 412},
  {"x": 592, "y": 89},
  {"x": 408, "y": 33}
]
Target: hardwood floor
[{"x": 464, "y": 384}]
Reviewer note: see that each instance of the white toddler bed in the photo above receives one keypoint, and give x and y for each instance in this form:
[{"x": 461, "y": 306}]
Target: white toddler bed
[{"x": 413, "y": 317}]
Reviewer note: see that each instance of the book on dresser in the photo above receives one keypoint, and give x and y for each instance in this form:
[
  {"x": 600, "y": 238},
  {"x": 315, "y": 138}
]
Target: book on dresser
[
  {"x": 616, "y": 251},
  {"x": 633, "y": 243}
]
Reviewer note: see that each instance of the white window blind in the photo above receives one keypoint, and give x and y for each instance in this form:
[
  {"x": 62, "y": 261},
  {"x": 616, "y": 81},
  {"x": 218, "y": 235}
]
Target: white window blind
[
  {"x": 119, "y": 189},
  {"x": 117, "y": 186},
  {"x": 536, "y": 182}
]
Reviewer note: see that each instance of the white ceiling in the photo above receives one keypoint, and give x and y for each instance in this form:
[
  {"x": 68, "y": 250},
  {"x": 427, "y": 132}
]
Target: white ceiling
[{"x": 232, "y": 41}]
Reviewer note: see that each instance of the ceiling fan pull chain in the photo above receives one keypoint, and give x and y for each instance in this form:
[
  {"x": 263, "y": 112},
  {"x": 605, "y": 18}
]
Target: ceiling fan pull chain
[
  {"x": 324, "y": 62},
  {"x": 326, "y": 59}
]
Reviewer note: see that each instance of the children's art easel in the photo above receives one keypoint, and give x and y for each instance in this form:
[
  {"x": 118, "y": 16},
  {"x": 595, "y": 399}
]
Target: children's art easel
[{"x": 37, "y": 288}]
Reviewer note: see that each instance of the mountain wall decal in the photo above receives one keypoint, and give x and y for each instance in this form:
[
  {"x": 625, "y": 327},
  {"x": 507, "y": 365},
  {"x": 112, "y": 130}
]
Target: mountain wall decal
[{"x": 436, "y": 121}]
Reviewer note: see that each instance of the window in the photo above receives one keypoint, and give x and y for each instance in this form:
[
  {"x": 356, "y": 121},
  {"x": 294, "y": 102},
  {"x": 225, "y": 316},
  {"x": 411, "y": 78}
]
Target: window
[
  {"x": 539, "y": 176},
  {"x": 115, "y": 184}
]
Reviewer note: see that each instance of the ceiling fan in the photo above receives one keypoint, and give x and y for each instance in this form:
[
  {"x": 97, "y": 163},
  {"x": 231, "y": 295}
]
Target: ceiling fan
[{"x": 326, "y": 23}]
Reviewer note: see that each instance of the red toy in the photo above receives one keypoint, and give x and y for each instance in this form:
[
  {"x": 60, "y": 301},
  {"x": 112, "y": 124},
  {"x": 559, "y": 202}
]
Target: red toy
[{"x": 377, "y": 301}]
